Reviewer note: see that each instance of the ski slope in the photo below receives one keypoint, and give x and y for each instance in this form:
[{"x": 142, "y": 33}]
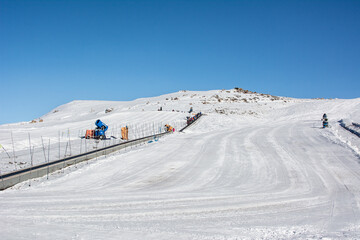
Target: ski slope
[{"x": 261, "y": 169}]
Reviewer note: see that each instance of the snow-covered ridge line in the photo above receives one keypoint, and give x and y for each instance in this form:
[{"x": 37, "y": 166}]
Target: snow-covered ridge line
[{"x": 68, "y": 122}]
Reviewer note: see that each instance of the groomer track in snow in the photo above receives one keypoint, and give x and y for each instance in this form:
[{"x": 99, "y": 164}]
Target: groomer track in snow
[{"x": 251, "y": 170}]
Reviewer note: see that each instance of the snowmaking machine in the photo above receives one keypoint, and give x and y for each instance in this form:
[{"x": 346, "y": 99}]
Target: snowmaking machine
[
  {"x": 325, "y": 121},
  {"x": 98, "y": 132},
  {"x": 169, "y": 128}
]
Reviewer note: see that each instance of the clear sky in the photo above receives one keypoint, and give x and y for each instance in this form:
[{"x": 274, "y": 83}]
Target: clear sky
[{"x": 53, "y": 52}]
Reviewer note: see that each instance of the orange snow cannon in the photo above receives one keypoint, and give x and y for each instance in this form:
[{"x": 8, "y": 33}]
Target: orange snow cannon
[
  {"x": 89, "y": 134},
  {"x": 125, "y": 133}
]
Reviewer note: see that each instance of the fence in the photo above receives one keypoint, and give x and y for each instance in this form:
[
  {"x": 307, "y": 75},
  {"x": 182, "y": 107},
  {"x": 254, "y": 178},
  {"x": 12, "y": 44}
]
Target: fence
[
  {"x": 15, "y": 177},
  {"x": 22, "y": 150}
]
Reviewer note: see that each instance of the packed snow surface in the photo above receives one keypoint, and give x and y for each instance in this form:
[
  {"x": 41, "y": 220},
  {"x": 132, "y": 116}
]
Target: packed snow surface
[{"x": 254, "y": 166}]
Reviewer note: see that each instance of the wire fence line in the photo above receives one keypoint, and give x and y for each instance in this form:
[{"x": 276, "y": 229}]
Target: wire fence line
[
  {"x": 10, "y": 179},
  {"x": 69, "y": 142}
]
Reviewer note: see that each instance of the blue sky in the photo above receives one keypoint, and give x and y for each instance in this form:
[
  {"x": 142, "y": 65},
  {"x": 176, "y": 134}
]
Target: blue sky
[{"x": 53, "y": 52}]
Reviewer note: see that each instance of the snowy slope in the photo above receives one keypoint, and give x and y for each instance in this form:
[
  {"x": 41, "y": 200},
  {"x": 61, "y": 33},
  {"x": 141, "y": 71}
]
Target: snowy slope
[{"x": 254, "y": 167}]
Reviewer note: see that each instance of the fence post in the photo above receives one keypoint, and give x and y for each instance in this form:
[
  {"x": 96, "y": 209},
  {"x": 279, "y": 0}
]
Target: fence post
[{"x": 12, "y": 140}]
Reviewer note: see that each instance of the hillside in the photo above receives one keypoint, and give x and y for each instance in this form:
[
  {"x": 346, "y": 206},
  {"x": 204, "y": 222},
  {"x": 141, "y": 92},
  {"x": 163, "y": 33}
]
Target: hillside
[
  {"x": 67, "y": 123},
  {"x": 255, "y": 166}
]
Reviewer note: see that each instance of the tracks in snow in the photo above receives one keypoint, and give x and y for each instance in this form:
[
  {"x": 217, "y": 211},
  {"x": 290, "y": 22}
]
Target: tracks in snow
[
  {"x": 353, "y": 128},
  {"x": 218, "y": 183}
]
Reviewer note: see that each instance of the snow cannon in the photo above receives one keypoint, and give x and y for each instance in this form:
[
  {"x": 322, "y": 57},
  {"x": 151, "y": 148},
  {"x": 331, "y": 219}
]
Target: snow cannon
[
  {"x": 169, "y": 128},
  {"x": 100, "y": 129},
  {"x": 100, "y": 125},
  {"x": 99, "y": 132},
  {"x": 325, "y": 121}
]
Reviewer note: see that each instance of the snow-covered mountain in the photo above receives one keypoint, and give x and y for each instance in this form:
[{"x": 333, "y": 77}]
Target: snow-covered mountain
[{"x": 255, "y": 166}]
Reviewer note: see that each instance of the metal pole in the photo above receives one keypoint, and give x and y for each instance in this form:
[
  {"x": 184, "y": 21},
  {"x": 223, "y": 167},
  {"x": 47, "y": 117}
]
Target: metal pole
[
  {"x": 30, "y": 158},
  {"x": 12, "y": 140},
  {"x": 69, "y": 141},
  {"x": 59, "y": 145},
  {"x": 48, "y": 160},
  {"x": 80, "y": 144},
  {"x": 42, "y": 141},
  {"x": 30, "y": 150},
  {"x": 5, "y": 151},
  {"x": 2, "y": 180}
]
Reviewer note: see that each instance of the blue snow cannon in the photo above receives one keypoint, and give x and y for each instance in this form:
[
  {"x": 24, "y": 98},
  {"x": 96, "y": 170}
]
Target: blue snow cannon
[
  {"x": 325, "y": 121},
  {"x": 100, "y": 129}
]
